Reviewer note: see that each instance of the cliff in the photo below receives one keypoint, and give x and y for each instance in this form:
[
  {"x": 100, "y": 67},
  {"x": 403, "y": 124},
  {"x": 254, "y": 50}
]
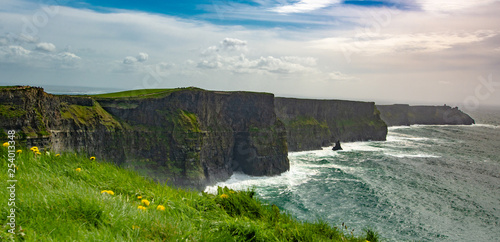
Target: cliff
[
  {"x": 190, "y": 137},
  {"x": 403, "y": 114},
  {"x": 311, "y": 124}
]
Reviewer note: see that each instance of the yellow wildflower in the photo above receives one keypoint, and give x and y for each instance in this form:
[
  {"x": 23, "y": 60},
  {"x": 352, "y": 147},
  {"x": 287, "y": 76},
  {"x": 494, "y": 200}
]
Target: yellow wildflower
[
  {"x": 78, "y": 169},
  {"x": 145, "y": 202},
  {"x": 224, "y": 196},
  {"x": 108, "y": 192},
  {"x": 34, "y": 149},
  {"x": 57, "y": 155},
  {"x": 5, "y": 144},
  {"x": 161, "y": 208},
  {"x": 232, "y": 192},
  {"x": 139, "y": 197},
  {"x": 141, "y": 207},
  {"x": 92, "y": 158},
  {"x": 38, "y": 152},
  {"x": 135, "y": 227},
  {"x": 19, "y": 151}
]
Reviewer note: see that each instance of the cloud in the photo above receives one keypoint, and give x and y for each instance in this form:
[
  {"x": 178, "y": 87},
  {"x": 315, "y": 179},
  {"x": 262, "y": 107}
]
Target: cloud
[
  {"x": 226, "y": 45},
  {"x": 129, "y": 60},
  {"x": 46, "y": 47},
  {"x": 231, "y": 44},
  {"x": 230, "y": 56},
  {"x": 15, "y": 50},
  {"x": 402, "y": 43},
  {"x": 68, "y": 56},
  {"x": 304, "y": 6},
  {"x": 142, "y": 57},
  {"x": 451, "y": 5},
  {"x": 338, "y": 76},
  {"x": 27, "y": 38}
]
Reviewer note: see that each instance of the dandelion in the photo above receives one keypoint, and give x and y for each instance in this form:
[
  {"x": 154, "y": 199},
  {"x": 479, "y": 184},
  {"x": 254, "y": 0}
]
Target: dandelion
[
  {"x": 34, "y": 149},
  {"x": 160, "y": 207},
  {"x": 145, "y": 202},
  {"x": 78, "y": 169},
  {"x": 139, "y": 197},
  {"x": 92, "y": 158},
  {"x": 57, "y": 155},
  {"x": 108, "y": 192},
  {"x": 38, "y": 153},
  {"x": 19, "y": 151},
  {"x": 135, "y": 227},
  {"x": 224, "y": 196},
  {"x": 5, "y": 144},
  {"x": 141, "y": 207}
]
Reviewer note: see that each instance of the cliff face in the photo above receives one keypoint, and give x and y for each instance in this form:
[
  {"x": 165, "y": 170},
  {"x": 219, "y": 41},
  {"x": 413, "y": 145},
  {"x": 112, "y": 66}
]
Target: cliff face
[
  {"x": 403, "y": 114},
  {"x": 190, "y": 137},
  {"x": 311, "y": 124}
]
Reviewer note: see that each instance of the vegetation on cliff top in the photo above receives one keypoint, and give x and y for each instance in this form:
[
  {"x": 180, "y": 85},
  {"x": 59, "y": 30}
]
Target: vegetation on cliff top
[
  {"x": 143, "y": 93},
  {"x": 70, "y": 197}
]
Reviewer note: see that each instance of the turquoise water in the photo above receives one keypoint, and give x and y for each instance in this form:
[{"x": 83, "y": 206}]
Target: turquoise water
[{"x": 425, "y": 183}]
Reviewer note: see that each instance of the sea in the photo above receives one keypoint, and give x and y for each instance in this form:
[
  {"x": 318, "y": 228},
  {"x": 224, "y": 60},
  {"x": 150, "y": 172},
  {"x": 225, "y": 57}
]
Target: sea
[{"x": 425, "y": 183}]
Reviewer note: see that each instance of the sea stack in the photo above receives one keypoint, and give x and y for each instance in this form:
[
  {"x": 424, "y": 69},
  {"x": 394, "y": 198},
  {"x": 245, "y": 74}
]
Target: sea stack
[{"x": 337, "y": 146}]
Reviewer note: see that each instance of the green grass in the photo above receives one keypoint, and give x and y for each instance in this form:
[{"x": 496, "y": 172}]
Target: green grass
[
  {"x": 143, "y": 93},
  {"x": 11, "y": 111},
  {"x": 7, "y": 87},
  {"x": 88, "y": 116},
  {"x": 55, "y": 202}
]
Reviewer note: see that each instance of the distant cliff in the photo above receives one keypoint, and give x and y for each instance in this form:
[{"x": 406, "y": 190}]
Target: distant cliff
[
  {"x": 311, "y": 124},
  {"x": 403, "y": 114},
  {"x": 192, "y": 137}
]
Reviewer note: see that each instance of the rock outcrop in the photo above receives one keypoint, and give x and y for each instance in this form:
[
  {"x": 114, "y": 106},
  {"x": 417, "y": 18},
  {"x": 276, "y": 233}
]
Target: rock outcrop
[
  {"x": 311, "y": 124},
  {"x": 190, "y": 137},
  {"x": 403, "y": 114},
  {"x": 337, "y": 146}
]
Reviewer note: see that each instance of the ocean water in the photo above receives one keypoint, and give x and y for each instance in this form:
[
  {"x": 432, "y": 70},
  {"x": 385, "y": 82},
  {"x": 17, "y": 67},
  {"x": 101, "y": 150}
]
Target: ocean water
[{"x": 425, "y": 183}]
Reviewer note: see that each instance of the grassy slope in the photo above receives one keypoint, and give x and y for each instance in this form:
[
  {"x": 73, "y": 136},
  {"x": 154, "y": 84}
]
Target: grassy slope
[
  {"x": 143, "y": 93},
  {"x": 55, "y": 202}
]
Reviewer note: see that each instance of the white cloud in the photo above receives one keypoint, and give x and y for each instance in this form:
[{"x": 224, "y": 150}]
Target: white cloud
[
  {"x": 15, "y": 50},
  {"x": 305, "y": 6},
  {"x": 68, "y": 56},
  {"x": 230, "y": 56},
  {"x": 451, "y": 5},
  {"x": 226, "y": 45},
  {"x": 338, "y": 76},
  {"x": 142, "y": 57},
  {"x": 129, "y": 60},
  {"x": 233, "y": 44},
  {"x": 46, "y": 47},
  {"x": 27, "y": 38},
  {"x": 402, "y": 43}
]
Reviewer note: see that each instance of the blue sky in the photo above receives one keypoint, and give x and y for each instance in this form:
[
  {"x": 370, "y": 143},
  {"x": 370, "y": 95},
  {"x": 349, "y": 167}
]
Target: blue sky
[{"x": 394, "y": 51}]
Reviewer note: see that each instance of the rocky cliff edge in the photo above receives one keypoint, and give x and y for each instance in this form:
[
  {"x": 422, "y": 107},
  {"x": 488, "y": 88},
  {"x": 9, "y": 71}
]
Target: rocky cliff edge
[{"x": 190, "y": 137}]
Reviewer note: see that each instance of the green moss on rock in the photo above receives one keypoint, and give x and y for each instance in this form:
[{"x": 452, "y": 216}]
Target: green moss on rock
[
  {"x": 11, "y": 111},
  {"x": 89, "y": 116}
]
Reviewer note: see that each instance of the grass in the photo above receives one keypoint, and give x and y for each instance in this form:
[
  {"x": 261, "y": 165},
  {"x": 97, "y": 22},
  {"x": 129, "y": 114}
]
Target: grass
[
  {"x": 88, "y": 116},
  {"x": 142, "y": 93},
  {"x": 11, "y": 111},
  {"x": 56, "y": 201}
]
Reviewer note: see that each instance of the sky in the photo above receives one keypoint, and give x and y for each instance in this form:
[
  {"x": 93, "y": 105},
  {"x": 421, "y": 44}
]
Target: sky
[{"x": 391, "y": 51}]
